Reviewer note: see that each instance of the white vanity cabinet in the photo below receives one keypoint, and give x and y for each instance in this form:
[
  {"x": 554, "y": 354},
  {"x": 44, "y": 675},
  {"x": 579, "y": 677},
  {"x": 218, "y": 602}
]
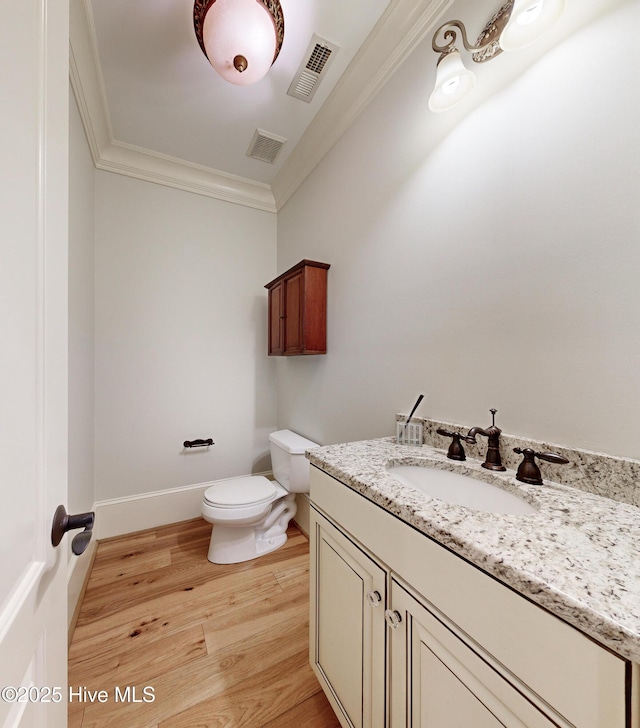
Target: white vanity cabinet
[
  {"x": 457, "y": 648},
  {"x": 347, "y": 634}
]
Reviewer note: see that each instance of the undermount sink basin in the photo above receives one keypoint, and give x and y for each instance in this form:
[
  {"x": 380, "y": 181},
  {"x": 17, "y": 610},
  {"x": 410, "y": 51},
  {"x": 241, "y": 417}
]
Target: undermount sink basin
[{"x": 461, "y": 490}]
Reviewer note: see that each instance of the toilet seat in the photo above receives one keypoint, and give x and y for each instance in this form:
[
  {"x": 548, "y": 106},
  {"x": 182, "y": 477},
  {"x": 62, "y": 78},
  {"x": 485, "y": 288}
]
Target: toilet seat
[{"x": 253, "y": 490}]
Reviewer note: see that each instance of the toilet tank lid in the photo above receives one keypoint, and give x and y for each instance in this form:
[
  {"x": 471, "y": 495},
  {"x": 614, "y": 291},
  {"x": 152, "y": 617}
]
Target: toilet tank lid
[{"x": 291, "y": 442}]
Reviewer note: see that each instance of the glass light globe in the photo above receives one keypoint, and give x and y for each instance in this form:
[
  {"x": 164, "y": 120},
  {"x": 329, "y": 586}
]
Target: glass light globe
[
  {"x": 529, "y": 20},
  {"x": 453, "y": 82},
  {"x": 239, "y": 33}
]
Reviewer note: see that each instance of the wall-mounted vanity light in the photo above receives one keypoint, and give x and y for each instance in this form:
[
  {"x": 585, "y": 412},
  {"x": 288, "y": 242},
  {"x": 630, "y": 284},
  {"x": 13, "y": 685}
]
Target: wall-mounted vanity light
[{"x": 517, "y": 24}]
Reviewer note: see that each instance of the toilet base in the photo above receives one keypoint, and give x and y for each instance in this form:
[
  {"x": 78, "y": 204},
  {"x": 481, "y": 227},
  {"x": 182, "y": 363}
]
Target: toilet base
[
  {"x": 233, "y": 545},
  {"x": 243, "y": 539}
]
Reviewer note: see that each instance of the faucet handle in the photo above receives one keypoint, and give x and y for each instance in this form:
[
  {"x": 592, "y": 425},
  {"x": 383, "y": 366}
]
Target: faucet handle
[
  {"x": 528, "y": 470},
  {"x": 456, "y": 451},
  {"x": 551, "y": 457},
  {"x": 446, "y": 433}
]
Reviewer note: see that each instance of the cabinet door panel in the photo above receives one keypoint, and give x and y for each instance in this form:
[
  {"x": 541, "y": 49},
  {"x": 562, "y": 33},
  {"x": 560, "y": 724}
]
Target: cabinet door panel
[
  {"x": 347, "y": 630},
  {"x": 293, "y": 334},
  {"x": 340, "y": 628},
  {"x": 276, "y": 319},
  {"x": 437, "y": 681},
  {"x": 444, "y": 700}
]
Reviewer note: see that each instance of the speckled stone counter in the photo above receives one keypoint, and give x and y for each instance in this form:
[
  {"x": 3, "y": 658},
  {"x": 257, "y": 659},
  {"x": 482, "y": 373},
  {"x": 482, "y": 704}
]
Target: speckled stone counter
[{"x": 578, "y": 555}]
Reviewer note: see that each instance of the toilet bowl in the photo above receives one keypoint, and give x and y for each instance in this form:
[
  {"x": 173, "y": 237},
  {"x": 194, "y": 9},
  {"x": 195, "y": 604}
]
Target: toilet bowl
[{"x": 250, "y": 515}]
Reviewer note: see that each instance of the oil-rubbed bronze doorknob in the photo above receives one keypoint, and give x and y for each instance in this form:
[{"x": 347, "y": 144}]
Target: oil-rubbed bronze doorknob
[{"x": 63, "y": 522}]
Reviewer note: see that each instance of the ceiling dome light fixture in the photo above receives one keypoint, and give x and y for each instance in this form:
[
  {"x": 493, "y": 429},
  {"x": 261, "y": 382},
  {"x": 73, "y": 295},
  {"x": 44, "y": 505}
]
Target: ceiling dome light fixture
[
  {"x": 241, "y": 38},
  {"x": 517, "y": 24}
]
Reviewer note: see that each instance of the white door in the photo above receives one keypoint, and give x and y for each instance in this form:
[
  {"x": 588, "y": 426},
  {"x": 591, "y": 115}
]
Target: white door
[{"x": 34, "y": 50}]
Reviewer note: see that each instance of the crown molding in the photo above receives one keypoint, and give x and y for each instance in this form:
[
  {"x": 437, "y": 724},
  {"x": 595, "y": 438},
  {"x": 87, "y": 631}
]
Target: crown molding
[
  {"x": 404, "y": 24},
  {"x": 112, "y": 155},
  {"x": 86, "y": 79},
  {"x": 151, "y": 166}
]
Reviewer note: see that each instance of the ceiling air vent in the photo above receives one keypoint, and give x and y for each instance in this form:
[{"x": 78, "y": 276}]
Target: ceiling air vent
[
  {"x": 265, "y": 146},
  {"x": 317, "y": 60}
]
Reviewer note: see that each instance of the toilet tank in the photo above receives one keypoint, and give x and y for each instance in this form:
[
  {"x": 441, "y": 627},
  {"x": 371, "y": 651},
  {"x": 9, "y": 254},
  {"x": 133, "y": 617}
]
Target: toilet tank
[{"x": 290, "y": 466}]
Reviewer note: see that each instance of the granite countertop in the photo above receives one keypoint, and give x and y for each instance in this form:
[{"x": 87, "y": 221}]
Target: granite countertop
[{"x": 578, "y": 556}]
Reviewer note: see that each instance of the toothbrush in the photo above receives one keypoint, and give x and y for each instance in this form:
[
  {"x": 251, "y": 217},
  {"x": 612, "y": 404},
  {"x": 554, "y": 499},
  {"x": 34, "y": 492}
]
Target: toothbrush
[{"x": 415, "y": 407}]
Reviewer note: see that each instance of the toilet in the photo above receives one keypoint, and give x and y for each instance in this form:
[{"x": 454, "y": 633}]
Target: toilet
[{"x": 250, "y": 515}]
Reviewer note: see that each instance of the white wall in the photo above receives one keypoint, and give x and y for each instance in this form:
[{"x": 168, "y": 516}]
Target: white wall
[
  {"x": 81, "y": 315},
  {"x": 181, "y": 314},
  {"x": 495, "y": 263}
]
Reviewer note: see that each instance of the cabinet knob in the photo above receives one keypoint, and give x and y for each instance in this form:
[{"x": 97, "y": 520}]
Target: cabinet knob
[
  {"x": 392, "y": 618},
  {"x": 374, "y": 598}
]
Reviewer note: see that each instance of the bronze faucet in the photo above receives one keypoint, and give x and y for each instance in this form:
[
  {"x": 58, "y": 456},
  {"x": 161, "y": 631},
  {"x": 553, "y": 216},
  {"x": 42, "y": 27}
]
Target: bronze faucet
[{"x": 492, "y": 459}]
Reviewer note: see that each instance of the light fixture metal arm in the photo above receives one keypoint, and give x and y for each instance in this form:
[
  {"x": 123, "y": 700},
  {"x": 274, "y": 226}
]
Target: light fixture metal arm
[
  {"x": 487, "y": 45},
  {"x": 450, "y": 36}
]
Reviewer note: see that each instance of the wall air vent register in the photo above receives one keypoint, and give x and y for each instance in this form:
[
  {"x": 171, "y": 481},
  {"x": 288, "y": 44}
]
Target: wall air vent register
[
  {"x": 317, "y": 59},
  {"x": 265, "y": 146}
]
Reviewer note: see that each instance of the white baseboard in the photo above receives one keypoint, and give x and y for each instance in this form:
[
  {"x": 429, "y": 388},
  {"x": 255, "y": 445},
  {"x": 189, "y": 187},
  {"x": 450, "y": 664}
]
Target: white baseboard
[
  {"x": 118, "y": 516},
  {"x": 77, "y": 576}
]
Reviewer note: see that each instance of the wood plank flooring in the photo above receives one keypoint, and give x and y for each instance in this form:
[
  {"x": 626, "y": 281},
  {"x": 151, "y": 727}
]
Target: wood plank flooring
[{"x": 220, "y": 646}]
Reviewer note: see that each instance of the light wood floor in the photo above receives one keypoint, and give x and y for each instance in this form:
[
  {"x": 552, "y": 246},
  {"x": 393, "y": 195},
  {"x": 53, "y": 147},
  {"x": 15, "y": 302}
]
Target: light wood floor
[{"x": 223, "y": 646}]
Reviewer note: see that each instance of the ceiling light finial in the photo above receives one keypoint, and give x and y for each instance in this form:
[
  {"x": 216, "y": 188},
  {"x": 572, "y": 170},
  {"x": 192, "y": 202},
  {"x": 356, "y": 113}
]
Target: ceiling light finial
[
  {"x": 241, "y": 38},
  {"x": 240, "y": 64}
]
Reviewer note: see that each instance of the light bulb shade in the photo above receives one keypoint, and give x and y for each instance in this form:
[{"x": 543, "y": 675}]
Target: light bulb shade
[
  {"x": 529, "y": 20},
  {"x": 241, "y": 38},
  {"x": 453, "y": 82}
]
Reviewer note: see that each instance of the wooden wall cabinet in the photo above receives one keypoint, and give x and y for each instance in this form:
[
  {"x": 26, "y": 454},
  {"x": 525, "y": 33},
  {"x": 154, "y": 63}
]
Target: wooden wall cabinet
[{"x": 298, "y": 310}]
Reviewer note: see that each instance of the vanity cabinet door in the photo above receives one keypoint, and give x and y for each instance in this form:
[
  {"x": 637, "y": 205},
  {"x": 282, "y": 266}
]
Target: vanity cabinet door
[
  {"x": 347, "y": 633},
  {"x": 437, "y": 681}
]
